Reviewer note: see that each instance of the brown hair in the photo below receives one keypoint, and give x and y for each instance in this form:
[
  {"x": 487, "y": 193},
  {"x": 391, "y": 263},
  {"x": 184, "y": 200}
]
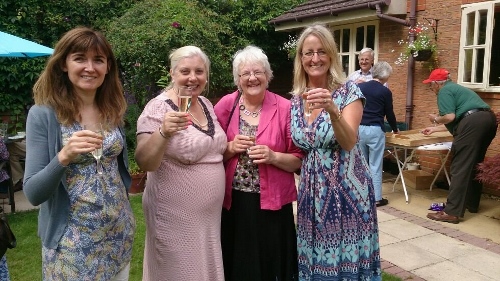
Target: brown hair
[{"x": 53, "y": 88}]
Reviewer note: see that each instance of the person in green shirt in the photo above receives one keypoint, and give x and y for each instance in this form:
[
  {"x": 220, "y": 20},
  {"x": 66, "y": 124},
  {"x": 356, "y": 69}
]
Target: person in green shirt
[{"x": 473, "y": 126}]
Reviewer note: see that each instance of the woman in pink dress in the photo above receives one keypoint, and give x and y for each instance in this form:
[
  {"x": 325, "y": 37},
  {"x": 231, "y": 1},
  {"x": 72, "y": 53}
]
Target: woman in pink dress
[{"x": 182, "y": 152}]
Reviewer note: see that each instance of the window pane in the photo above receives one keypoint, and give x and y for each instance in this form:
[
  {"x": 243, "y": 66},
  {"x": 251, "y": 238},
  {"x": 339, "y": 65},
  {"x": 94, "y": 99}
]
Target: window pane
[
  {"x": 467, "y": 66},
  {"x": 336, "y": 36},
  {"x": 357, "y": 63},
  {"x": 345, "y": 64},
  {"x": 495, "y": 55},
  {"x": 360, "y": 38},
  {"x": 482, "y": 27},
  {"x": 370, "y": 36},
  {"x": 479, "y": 65},
  {"x": 469, "y": 40},
  {"x": 346, "y": 37}
]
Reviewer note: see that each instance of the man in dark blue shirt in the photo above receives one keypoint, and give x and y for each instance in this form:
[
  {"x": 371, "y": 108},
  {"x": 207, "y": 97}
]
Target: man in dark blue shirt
[{"x": 372, "y": 128}]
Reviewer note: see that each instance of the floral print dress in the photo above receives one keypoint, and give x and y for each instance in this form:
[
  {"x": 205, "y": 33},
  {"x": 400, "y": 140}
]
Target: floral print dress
[
  {"x": 337, "y": 231},
  {"x": 97, "y": 243}
]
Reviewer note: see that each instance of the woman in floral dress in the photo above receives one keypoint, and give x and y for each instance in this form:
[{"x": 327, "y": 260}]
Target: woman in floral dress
[
  {"x": 85, "y": 223},
  {"x": 337, "y": 232},
  {"x": 4, "y": 176}
]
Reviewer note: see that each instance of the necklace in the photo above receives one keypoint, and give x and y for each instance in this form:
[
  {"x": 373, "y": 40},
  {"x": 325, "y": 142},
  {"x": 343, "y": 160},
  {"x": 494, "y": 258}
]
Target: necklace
[
  {"x": 198, "y": 121},
  {"x": 254, "y": 114}
]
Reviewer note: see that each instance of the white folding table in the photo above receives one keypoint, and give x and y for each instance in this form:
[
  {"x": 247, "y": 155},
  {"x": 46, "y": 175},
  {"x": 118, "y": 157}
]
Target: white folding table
[{"x": 411, "y": 141}]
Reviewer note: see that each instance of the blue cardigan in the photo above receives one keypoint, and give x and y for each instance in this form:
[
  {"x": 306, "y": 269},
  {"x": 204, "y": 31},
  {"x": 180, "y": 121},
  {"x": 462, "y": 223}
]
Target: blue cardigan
[{"x": 45, "y": 177}]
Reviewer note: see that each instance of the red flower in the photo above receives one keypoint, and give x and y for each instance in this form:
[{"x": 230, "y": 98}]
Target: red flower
[{"x": 176, "y": 25}]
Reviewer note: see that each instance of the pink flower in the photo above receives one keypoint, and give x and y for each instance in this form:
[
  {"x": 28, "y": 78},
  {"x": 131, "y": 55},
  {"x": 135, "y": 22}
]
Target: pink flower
[{"x": 176, "y": 25}]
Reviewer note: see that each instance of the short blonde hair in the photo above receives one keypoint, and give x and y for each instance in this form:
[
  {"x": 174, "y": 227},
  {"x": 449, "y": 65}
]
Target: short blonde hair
[{"x": 187, "y": 52}]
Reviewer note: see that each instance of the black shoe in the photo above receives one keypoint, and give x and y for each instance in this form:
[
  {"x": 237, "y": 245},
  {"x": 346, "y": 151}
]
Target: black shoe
[
  {"x": 472, "y": 210},
  {"x": 382, "y": 202}
]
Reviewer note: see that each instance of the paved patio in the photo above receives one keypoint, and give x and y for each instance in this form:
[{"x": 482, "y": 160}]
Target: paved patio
[{"x": 416, "y": 248}]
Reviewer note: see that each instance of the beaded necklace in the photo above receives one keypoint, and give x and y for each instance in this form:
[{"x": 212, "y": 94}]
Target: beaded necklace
[
  {"x": 254, "y": 114},
  {"x": 198, "y": 121}
]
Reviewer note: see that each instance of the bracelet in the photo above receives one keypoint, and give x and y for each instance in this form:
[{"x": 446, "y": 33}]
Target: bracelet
[
  {"x": 339, "y": 116},
  {"x": 161, "y": 133}
]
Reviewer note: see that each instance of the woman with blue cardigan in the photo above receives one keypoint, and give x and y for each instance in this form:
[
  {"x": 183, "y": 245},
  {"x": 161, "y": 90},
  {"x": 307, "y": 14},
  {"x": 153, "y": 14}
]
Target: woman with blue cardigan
[{"x": 85, "y": 223}]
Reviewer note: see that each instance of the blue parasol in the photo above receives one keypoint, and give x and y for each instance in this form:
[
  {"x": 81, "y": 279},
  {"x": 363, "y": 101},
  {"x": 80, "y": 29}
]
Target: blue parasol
[{"x": 13, "y": 46}]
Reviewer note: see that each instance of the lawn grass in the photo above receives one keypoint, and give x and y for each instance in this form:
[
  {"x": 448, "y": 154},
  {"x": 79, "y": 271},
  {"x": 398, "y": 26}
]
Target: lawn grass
[{"x": 25, "y": 261}]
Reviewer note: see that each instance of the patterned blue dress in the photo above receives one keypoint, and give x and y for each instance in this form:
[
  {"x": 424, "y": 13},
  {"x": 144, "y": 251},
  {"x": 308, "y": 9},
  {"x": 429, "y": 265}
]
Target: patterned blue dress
[
  {"x": 4, "y": 270},
  {"x": 337, "y": 231},
  {"x": 97, "y": 243}
]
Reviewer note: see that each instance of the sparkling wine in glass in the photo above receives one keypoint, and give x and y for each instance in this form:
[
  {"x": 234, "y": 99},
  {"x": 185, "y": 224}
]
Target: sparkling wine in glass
[
  {"x": 184, "y": 98},
  {"x": 250, "y": 132},
  {"x": 97, "y": 153}
]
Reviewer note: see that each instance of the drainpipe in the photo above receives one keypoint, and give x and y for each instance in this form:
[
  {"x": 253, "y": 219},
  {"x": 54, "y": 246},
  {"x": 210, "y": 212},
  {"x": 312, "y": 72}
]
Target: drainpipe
[
  {"x": 411, "y": 62},
  {"x": 411, "y": 69},
  {"x": 391, "y": 18}
]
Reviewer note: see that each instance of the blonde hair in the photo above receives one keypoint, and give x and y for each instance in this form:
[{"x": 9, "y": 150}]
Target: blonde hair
[
  {"x": 53, "y": 88},
  {"x": 335, "y": 74},
  {"x": 187, "y": 52}
]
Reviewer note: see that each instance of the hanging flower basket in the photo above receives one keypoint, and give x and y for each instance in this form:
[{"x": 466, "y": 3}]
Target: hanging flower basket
[
  {"x": 422, "y": 55},
  {"x": 421, "y": 48}
]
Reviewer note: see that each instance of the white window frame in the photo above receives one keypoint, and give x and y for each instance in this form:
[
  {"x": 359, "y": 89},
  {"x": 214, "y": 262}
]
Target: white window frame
[
  {"x": 352, "y": 53},
  {"x": 466, "y": 10}
]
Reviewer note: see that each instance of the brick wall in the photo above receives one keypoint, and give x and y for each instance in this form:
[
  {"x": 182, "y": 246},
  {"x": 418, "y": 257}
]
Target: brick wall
[{"x": 424, "y": 101}]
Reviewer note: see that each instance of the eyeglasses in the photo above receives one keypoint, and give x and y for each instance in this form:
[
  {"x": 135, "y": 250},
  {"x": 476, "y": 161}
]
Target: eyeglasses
[
  {"x": 310, "y": 54},
  {"x": 257, "y": 74}
]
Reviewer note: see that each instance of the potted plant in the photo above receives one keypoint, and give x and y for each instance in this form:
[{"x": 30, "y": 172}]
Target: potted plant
[
  {"x": 421, "y": 49},
  {"x": 138, "y": 176},
  {"x": 489, "y": 169}
]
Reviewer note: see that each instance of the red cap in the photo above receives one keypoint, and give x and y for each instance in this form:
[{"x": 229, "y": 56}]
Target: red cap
[{"x": 438, "y": 74}]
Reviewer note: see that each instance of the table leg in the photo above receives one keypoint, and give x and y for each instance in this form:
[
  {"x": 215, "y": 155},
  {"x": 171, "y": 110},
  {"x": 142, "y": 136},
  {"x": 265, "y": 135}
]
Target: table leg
[
  {"x": 401, "y": 166},
  {"x": 443, "y": 164}
]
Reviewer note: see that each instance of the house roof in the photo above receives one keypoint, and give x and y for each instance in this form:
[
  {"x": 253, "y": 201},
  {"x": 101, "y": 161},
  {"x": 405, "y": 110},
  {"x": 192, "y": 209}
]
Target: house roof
[{"x": 315, "y": 8}]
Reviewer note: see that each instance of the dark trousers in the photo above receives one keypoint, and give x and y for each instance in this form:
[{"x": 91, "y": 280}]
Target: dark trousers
[{"x": 471, "y": 140}]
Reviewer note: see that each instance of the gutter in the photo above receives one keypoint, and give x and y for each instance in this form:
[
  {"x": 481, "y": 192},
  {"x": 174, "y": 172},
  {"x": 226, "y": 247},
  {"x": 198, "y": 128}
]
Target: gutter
[{"x": 332, "y": 12}]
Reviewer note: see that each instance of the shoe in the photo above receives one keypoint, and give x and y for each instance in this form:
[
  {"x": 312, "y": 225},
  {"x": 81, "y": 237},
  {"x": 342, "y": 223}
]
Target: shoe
[
  {"x": 442, "y": 216},
  {"x": 18, "y": 186},
  {"x": 382, "y": 202},
  {"x": 472, "y": 210}
]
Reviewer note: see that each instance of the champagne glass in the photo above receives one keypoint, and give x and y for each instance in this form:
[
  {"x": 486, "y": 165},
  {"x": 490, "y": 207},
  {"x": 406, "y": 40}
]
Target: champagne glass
[
  {"x": 97, "y": 153},
  {"x": 184, "y": 95},
  {"x": 250, "y": 132},
  {"x": 307, "y": 108}
]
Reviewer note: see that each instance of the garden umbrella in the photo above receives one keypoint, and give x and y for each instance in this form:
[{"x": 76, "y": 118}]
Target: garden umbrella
[{"x": 13, "y": 46}]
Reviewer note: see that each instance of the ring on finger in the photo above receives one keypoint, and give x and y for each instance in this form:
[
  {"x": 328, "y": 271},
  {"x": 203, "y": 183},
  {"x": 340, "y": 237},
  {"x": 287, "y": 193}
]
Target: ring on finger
[{"x": 324, "y": 100}]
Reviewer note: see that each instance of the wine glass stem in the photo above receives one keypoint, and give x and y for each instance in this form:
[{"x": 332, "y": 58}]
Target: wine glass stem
[{"x": 99, "y": 167}]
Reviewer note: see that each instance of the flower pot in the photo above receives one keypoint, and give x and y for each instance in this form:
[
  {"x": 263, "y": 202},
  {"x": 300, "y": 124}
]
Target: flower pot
[
  {"x": 422, "y": 55},
  {"x": 413, "y": 166},
  {"x": 138, "y": 183}
]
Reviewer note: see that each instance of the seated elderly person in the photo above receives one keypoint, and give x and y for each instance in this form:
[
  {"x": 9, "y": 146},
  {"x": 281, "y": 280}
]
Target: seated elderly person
[
  {"x": 17, "y": 151},
  {"x": 4, "y": 176}
]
